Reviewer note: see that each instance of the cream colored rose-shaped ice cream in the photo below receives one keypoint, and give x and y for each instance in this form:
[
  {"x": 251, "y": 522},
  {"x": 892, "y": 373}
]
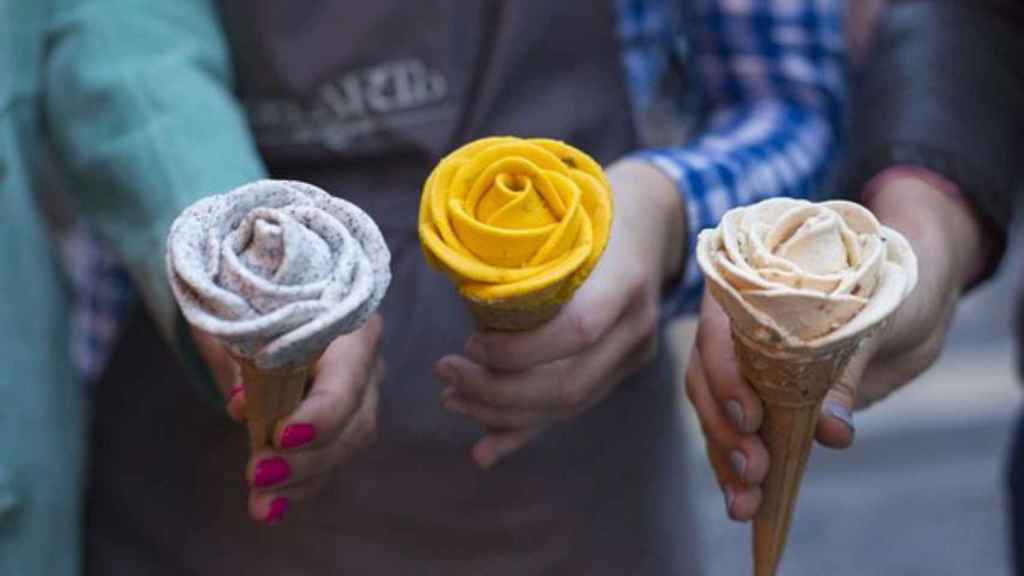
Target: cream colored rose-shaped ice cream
[
  {"x": 277, "y": 269},
  {"x": 797, "y": 274}
]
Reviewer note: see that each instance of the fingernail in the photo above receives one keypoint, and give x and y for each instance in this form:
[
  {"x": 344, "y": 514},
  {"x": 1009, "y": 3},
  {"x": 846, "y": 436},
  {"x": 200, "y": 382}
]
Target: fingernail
[
  {"x": 475, "y": 349},
  {"x": 840, "y": 412},
  {"x": 455, "y": 405},
  {"x": 238, "y": 389},
  {"x": 278, "y": 508},
  {"x": 270, "y": 471},
  {"x": 730, "y": 497},
  {"x": 735, "y": 411},
  {"x": 449, "y": 375},
  {"x": 295, "y": 435},
  {"x": 738, "y": 461}
]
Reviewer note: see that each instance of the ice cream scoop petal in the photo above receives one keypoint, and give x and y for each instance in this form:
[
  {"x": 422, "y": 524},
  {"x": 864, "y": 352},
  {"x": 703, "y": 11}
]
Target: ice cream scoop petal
[
  {"x": 796, "y": 272},
  {"x": 516, "y": 223},
  {"x": 277, "y": 269}
]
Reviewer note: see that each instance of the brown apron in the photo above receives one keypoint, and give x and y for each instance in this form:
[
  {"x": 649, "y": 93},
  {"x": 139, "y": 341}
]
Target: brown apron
[{"x": 363, "y": 98}]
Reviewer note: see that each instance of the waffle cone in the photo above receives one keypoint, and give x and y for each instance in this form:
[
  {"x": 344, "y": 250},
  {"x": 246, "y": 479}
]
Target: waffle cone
[
  {"x": 270, "y": 396},
  {"x": 519, "y": 313},
  {"x": 792, "y": 387}
]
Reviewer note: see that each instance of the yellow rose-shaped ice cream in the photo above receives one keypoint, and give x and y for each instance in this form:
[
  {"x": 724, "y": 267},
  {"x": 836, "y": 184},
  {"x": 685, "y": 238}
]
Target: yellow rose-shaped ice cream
[
  {"x": 796, "y": 274},
  {"x": 517, "y": 224}
]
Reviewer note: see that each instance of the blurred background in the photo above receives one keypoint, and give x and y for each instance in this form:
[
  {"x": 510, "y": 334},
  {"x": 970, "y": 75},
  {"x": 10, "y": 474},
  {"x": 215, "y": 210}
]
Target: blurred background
[{"x": 922, "y": 490}]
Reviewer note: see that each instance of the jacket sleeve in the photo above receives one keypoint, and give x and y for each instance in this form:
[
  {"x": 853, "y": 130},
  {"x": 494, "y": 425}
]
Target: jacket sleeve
[
  {"x": 138, "y": 103},
  {"x": 944, "y": 90},
  {"x": 770, "y": 84}
]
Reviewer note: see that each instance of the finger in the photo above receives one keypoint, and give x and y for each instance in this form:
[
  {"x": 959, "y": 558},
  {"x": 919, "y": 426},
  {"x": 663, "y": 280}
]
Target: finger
[
  {"x": 750, "y": 460},
  {"x": 489, "y": 450},
  {"x": 272, "y": 507},
  {"x": 489, "y": 415},
  {"x": 742, "y": 503},
  {"x": 533, "y": 390},
  {"x": 343, "y": 376},
  {"x": 492, "y": 417},
  {"x": 717, "y": 429},
  {"x": 564, "y": 387},
  {"x": 224, "y": 370},
  {"x": 835, "y": 427},
  {"x": 741, "y": 500},
  {"x": 581, "y": 324},
  {"x": 745, "y": 463},
  {"x": 731, "y": 391},
  {"x": 236, "y": 403},
  {"x": 272, "y": 471}
]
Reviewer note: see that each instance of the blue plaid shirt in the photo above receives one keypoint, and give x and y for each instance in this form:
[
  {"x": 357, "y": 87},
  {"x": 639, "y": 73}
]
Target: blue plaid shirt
[{"x": 768, "y": 84}]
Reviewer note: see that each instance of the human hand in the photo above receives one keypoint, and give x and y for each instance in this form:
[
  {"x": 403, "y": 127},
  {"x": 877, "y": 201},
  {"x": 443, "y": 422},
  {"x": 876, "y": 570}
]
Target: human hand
[
  {"x": 945, "y": 239},
  {"x": 336, "y": 419},
  {"x": 515, "y": 385}
]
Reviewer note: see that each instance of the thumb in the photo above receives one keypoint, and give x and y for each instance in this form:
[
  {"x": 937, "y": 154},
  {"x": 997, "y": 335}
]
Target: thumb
[
  {"x": 835, "y": 424},
  {"x": 225, "y": 371}
]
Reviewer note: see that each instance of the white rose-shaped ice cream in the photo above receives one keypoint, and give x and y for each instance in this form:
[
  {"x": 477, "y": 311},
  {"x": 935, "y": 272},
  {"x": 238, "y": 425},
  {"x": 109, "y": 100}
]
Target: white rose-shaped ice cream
[
  {"x": 277, "y": 269},
  {"x": 796, "y": 274}
]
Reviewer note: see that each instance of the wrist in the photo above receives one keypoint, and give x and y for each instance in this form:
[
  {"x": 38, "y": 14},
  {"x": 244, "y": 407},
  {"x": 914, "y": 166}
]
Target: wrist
[
  {"x": 935, "y": 219},
  {"x": 648, "y": 200}
]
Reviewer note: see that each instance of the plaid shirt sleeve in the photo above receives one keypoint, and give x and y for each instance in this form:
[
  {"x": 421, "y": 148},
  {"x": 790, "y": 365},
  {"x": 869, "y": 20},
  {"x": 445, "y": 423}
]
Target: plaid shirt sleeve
[
  {"x": 770, "y": 77},
  {"x": 101, "y": 298}
]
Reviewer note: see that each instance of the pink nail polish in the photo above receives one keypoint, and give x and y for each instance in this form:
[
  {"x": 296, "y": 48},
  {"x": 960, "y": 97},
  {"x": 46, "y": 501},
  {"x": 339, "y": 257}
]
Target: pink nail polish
[
  {"x": 278, "y": 508},
  {"x": 295, "y": 435},
  {"x": 270, "y": 471},
  {"x": 238, "y": 389}
]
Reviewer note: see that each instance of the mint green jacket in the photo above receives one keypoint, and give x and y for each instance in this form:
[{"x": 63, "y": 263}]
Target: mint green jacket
[{"x": 135, "y": 96}]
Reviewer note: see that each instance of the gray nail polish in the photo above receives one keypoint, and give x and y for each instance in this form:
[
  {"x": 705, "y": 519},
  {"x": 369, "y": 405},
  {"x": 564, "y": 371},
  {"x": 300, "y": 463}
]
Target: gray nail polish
[
  {"x": 730, "y": 497},
  {"x": 840, "y": 412},
  {"x": 735, "y": 411},
  {"x": 738, "y": 460}
]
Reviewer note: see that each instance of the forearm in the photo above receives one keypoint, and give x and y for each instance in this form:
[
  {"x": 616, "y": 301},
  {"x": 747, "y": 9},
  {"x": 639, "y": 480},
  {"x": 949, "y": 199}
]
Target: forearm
[
  {"x": 771, "y": 103},
  {"x": 139, "y": 107},
  {"x": 937, "y": 219},
  {"x": 948, "y": 241},
  {"x": 935, "y": 94},
  {"x": 647, "y": 198}
]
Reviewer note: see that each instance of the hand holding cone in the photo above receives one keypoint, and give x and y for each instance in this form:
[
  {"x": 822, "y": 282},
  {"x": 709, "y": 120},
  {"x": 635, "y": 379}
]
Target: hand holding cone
[
  {"x": 276, "y": 270},
  {"x": 803, "y": 285}
]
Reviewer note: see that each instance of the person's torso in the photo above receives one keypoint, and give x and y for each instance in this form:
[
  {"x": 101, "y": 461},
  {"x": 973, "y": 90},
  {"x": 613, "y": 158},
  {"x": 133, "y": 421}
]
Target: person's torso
[{"x": 363, "y": 99}]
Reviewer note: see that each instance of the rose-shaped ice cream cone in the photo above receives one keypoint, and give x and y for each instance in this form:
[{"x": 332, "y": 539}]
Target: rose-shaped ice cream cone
[
  {"x": 276, "y": 270},
  {"x": 517, "y": 225},
  {"x": 803, "y": 284}
]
